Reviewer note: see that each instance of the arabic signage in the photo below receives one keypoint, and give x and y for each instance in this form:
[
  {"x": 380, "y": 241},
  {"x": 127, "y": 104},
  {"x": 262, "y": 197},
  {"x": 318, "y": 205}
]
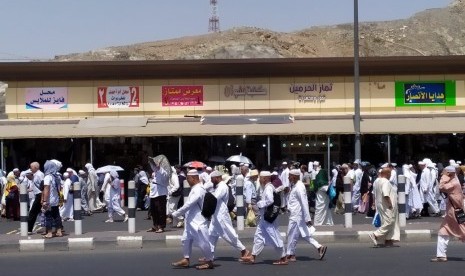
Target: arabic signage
[
  {"x": 47, "y": 98},
  {"x": 311, "y": 92},
  {"x": 245, "y": 90},
  {"x": 179, "y": 95},
  {"x": 118, "y": 96},
  {"x": 425, "y": 93}
]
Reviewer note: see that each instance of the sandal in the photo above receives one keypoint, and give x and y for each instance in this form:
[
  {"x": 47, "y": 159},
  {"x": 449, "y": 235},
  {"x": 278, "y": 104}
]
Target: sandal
[
  {"x": 280, "y": 262},
  {"x": 47, "y": 236},
  {"x": 208, "y": 265},
  {"x": 159, "y": 230},
  {"x": 152, "y": 230}
]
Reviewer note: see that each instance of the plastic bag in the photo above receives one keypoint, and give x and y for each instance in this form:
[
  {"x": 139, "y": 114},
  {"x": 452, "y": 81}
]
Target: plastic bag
[
  {"x": 377, "y": 220},
  {"x": 250, "y": 220}
]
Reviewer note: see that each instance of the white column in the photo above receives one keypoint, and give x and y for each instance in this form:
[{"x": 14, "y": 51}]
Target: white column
[
  {"x": 347, "y": 202},
  {"x": 132, "y": 207},
  {"x": 240, "y": 202},
  {"x": 77, "y": 208},
  {"x": 401, "y": 200},
  {"x": 23, "y": 211}
]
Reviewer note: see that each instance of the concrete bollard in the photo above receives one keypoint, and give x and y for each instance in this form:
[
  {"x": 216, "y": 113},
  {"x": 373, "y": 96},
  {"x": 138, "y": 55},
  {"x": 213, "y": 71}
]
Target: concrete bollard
[
  {"x": 23, "y": 210},
  {"x": 132, "y": 207},
  {"x": 401, "y": 200},
  {"x": 77, "y": 208},
  {"x": 121, "y": 183},
  {"x": 347, "y": 202},
  {"x": 240, "y": 209},
  {"x": 186, "y": 189}
]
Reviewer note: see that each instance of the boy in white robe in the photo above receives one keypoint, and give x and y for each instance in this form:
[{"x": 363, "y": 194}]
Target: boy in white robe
[{"x": 300, "y": 222}]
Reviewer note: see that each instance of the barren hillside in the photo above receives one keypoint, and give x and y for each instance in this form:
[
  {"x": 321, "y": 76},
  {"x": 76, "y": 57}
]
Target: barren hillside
[{"x": 431, "y": 32}]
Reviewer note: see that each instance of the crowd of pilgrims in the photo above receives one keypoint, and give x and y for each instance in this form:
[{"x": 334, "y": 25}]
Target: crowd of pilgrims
[{"x": 308, "y": 193}]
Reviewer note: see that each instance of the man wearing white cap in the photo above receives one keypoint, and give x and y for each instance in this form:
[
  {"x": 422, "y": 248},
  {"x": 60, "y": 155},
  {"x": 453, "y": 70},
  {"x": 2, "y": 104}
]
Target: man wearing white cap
[
  {"x": 221, "y": 224},
  {"x": 300, "y": 222},
  {"x": 450, "y": 185},
  {"x": 67, "y": 210},
  {"x": 196, "y": 225},
  {"x": 250, "y": 191},
  {"x": 84, "y": 198},
  {"x": 266, "y": 233},
  {"x": 386, "y": 205},
  {"x": 205, "y": 175}
]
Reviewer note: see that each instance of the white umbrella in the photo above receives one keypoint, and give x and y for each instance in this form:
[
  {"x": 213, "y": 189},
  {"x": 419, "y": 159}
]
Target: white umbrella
[
  {"x": 239, "y": 159},
  {"x": 109, "y": 168}
]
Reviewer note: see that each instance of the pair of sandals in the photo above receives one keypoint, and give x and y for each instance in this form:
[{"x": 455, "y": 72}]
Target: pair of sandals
[
  {"x": 184, "y": 264},
  {"x": 159, "y": 230},
  {"x": 51, "y": 235}
]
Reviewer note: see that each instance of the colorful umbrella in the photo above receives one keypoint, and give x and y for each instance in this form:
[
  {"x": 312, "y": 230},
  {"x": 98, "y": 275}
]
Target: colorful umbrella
[{"x": 195, "y": 164}]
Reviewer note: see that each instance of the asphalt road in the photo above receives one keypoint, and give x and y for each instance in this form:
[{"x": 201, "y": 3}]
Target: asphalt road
[
  {"x": 341, "y": 259},
  {"x": 96, "y": 223}
]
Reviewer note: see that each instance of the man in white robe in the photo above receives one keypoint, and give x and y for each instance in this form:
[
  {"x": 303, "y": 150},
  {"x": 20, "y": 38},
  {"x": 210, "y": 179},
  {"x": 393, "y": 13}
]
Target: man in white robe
[
  {"x": 413, "y": 200},
  {"x": 67, "y": 211},
  {"x": 356, "y": 189},
  {"x": 93, "y": 189},
  {"x": 427, "y": 184},
  {"x": 300, "y": 222},
  {"x": 195, "y": 226},
  {"x": 266, "y": 233},
  {"x": 386, "y": 206},
  {"x": 221, "y": 224},
  {"x": 284, "y": 189}
]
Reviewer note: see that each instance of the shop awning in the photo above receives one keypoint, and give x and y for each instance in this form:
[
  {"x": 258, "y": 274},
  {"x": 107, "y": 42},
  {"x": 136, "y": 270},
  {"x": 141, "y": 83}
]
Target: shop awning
[{"x": 150, "y": 127}]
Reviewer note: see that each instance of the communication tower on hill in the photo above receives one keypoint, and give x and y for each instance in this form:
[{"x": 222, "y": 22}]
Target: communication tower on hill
[{"x": 214, "y": 21}]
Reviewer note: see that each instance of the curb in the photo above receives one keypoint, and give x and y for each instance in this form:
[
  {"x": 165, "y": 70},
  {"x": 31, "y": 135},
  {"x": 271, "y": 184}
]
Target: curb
[{"x": 173, "y": 241}]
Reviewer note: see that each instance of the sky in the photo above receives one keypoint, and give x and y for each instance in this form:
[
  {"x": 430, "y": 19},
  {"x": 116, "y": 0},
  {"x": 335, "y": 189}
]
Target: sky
[{"x": 41, "y": 29}]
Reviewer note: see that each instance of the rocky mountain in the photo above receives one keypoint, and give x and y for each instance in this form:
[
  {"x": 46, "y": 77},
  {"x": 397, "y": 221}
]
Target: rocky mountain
[{"x": 431, "y": 32}]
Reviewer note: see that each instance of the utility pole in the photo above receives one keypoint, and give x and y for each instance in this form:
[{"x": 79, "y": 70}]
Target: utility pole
[
  {"x": 358, "y": 154},
  {"x": 214, "y": 21}
]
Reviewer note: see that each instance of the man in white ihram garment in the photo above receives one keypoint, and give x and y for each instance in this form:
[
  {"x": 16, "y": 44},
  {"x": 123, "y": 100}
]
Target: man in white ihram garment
[
  {"x": 300, "y": 222},
  {"x": 195, "y": 226},
  {"x": 66, "y": 211},
  {"x": 266, "y": 233},
  {"x": 221, "y": 224}
]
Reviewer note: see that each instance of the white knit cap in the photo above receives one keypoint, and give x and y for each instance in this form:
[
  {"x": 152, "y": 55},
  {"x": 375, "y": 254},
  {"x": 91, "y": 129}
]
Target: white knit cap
[
  {"x": 193, "y": 172},
  {"x": 265, "y": 173},
  {"x": 295, "y": 172}
]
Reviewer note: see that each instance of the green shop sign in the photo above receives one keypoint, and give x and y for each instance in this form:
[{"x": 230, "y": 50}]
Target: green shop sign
[{"x": 425, "y": 93}]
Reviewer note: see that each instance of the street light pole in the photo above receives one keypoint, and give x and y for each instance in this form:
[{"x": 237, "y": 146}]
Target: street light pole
[{"x": 356, "y": 85}]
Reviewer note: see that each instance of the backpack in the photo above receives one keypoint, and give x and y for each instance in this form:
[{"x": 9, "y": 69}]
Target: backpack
[
  {"x": 272, "y": 211},
  {"x": 209, "y": 205},
  {"x": 231, "y": 200}
]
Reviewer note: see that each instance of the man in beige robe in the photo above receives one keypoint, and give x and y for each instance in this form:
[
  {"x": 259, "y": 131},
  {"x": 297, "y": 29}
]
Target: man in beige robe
[
  {"x": 386, "y": 205},
  {"x": 450, "y": 185}
]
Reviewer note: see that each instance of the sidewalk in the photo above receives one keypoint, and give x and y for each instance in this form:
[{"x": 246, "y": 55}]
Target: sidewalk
[{"x": 415, "y": 231}]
